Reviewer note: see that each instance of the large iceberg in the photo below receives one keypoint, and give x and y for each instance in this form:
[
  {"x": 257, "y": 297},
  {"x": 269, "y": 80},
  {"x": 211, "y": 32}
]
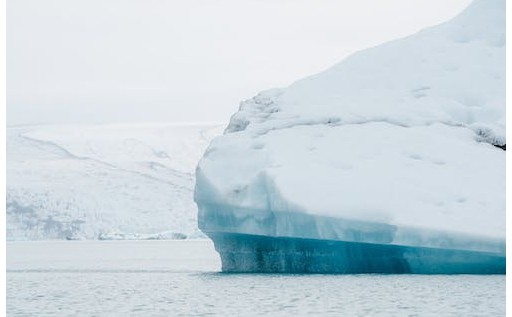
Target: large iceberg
[{"x": 390, "y": 161}]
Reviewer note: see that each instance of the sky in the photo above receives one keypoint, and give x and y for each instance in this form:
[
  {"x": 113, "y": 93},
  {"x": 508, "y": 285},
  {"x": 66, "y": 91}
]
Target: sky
[{"x": 97, "y": 61}]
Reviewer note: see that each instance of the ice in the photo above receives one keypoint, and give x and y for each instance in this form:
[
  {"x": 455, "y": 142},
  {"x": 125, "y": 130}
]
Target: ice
[
  {"x": 110, "y": 181},
  {"x": 253, "y": 253},
  {"x": 399, "y": 145}
]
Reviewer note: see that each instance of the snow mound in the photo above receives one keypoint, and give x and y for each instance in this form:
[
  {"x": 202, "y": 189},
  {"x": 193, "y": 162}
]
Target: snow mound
[{"x": 397, "y": 144}]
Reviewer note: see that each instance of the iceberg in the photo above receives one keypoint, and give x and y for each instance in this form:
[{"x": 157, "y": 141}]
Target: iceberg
[{"x": 392, "y": 161}]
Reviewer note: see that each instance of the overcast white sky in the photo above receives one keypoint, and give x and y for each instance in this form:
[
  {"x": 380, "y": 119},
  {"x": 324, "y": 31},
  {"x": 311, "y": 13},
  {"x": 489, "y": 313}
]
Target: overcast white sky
[{"x": 98, "y": 61}]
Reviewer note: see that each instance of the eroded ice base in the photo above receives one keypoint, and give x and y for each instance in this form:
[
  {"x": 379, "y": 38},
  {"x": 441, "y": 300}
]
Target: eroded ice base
[
  {"x": 266, "y": 241},
  {"x": 263, "y": 254},
  {"x": 233, "y": 219}
]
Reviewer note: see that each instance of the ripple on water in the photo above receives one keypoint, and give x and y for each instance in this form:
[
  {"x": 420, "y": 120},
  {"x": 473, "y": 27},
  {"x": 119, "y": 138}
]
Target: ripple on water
[{"x": 186, "y": 294}]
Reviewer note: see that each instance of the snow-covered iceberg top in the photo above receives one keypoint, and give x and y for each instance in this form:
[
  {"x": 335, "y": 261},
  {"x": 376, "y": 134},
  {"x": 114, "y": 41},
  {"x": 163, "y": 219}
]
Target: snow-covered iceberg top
[{"x": 405, "y": 135}]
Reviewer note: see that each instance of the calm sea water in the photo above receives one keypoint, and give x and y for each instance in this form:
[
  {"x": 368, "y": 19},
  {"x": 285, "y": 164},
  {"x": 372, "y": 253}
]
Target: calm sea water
[{"x": 181, "y": 278}]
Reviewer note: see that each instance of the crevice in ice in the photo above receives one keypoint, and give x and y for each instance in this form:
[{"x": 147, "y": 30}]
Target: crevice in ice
[
  {"x": 487, "y": 135},
  {"x": 483, "y": 133}
]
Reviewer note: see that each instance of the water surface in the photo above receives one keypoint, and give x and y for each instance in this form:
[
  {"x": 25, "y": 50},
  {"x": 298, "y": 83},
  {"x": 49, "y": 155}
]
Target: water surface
[{"x": 181, "y": 278}]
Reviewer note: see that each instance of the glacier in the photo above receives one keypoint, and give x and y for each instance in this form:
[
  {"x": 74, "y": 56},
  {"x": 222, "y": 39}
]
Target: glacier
[
  {"x": 104, "y": 181},
  {"x": 392, "y": 161}
]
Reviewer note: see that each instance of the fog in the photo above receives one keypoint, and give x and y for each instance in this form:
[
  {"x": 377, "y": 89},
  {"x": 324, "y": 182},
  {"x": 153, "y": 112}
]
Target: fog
[{"x": 97, "y": 61}]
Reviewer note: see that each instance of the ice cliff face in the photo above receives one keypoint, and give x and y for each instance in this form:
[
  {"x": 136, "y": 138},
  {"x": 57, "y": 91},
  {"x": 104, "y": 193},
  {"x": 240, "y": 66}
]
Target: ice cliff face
[{"x": 397, "y": 144}]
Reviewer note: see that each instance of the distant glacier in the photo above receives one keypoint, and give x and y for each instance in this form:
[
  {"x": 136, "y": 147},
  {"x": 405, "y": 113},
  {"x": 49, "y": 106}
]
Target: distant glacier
[{"x": 110, "y": 181}]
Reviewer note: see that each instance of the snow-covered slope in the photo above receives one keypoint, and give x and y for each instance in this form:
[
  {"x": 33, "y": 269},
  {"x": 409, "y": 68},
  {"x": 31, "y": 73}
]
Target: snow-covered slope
[
  {"x": 397, "y": 144},
  {"x": 103, "y": 181}
]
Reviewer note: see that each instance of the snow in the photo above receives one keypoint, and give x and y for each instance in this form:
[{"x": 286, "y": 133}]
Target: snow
[
  {"x": 117, "y": 181},
  {"x": 397, "y": 140}
]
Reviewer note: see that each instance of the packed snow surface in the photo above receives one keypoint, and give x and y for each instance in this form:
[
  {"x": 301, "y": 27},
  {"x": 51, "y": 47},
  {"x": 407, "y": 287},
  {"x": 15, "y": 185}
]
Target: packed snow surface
[
  {"x": 117, "y": 181},
  {"x": 397, "y": 144}
]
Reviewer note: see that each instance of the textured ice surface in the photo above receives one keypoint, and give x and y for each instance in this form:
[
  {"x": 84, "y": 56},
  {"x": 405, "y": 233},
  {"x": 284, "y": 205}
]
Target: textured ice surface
[
  {"x": 122, "y": 181},
  {"x": 398, "y": 144},
  {"x": 251, "y": 253}
]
